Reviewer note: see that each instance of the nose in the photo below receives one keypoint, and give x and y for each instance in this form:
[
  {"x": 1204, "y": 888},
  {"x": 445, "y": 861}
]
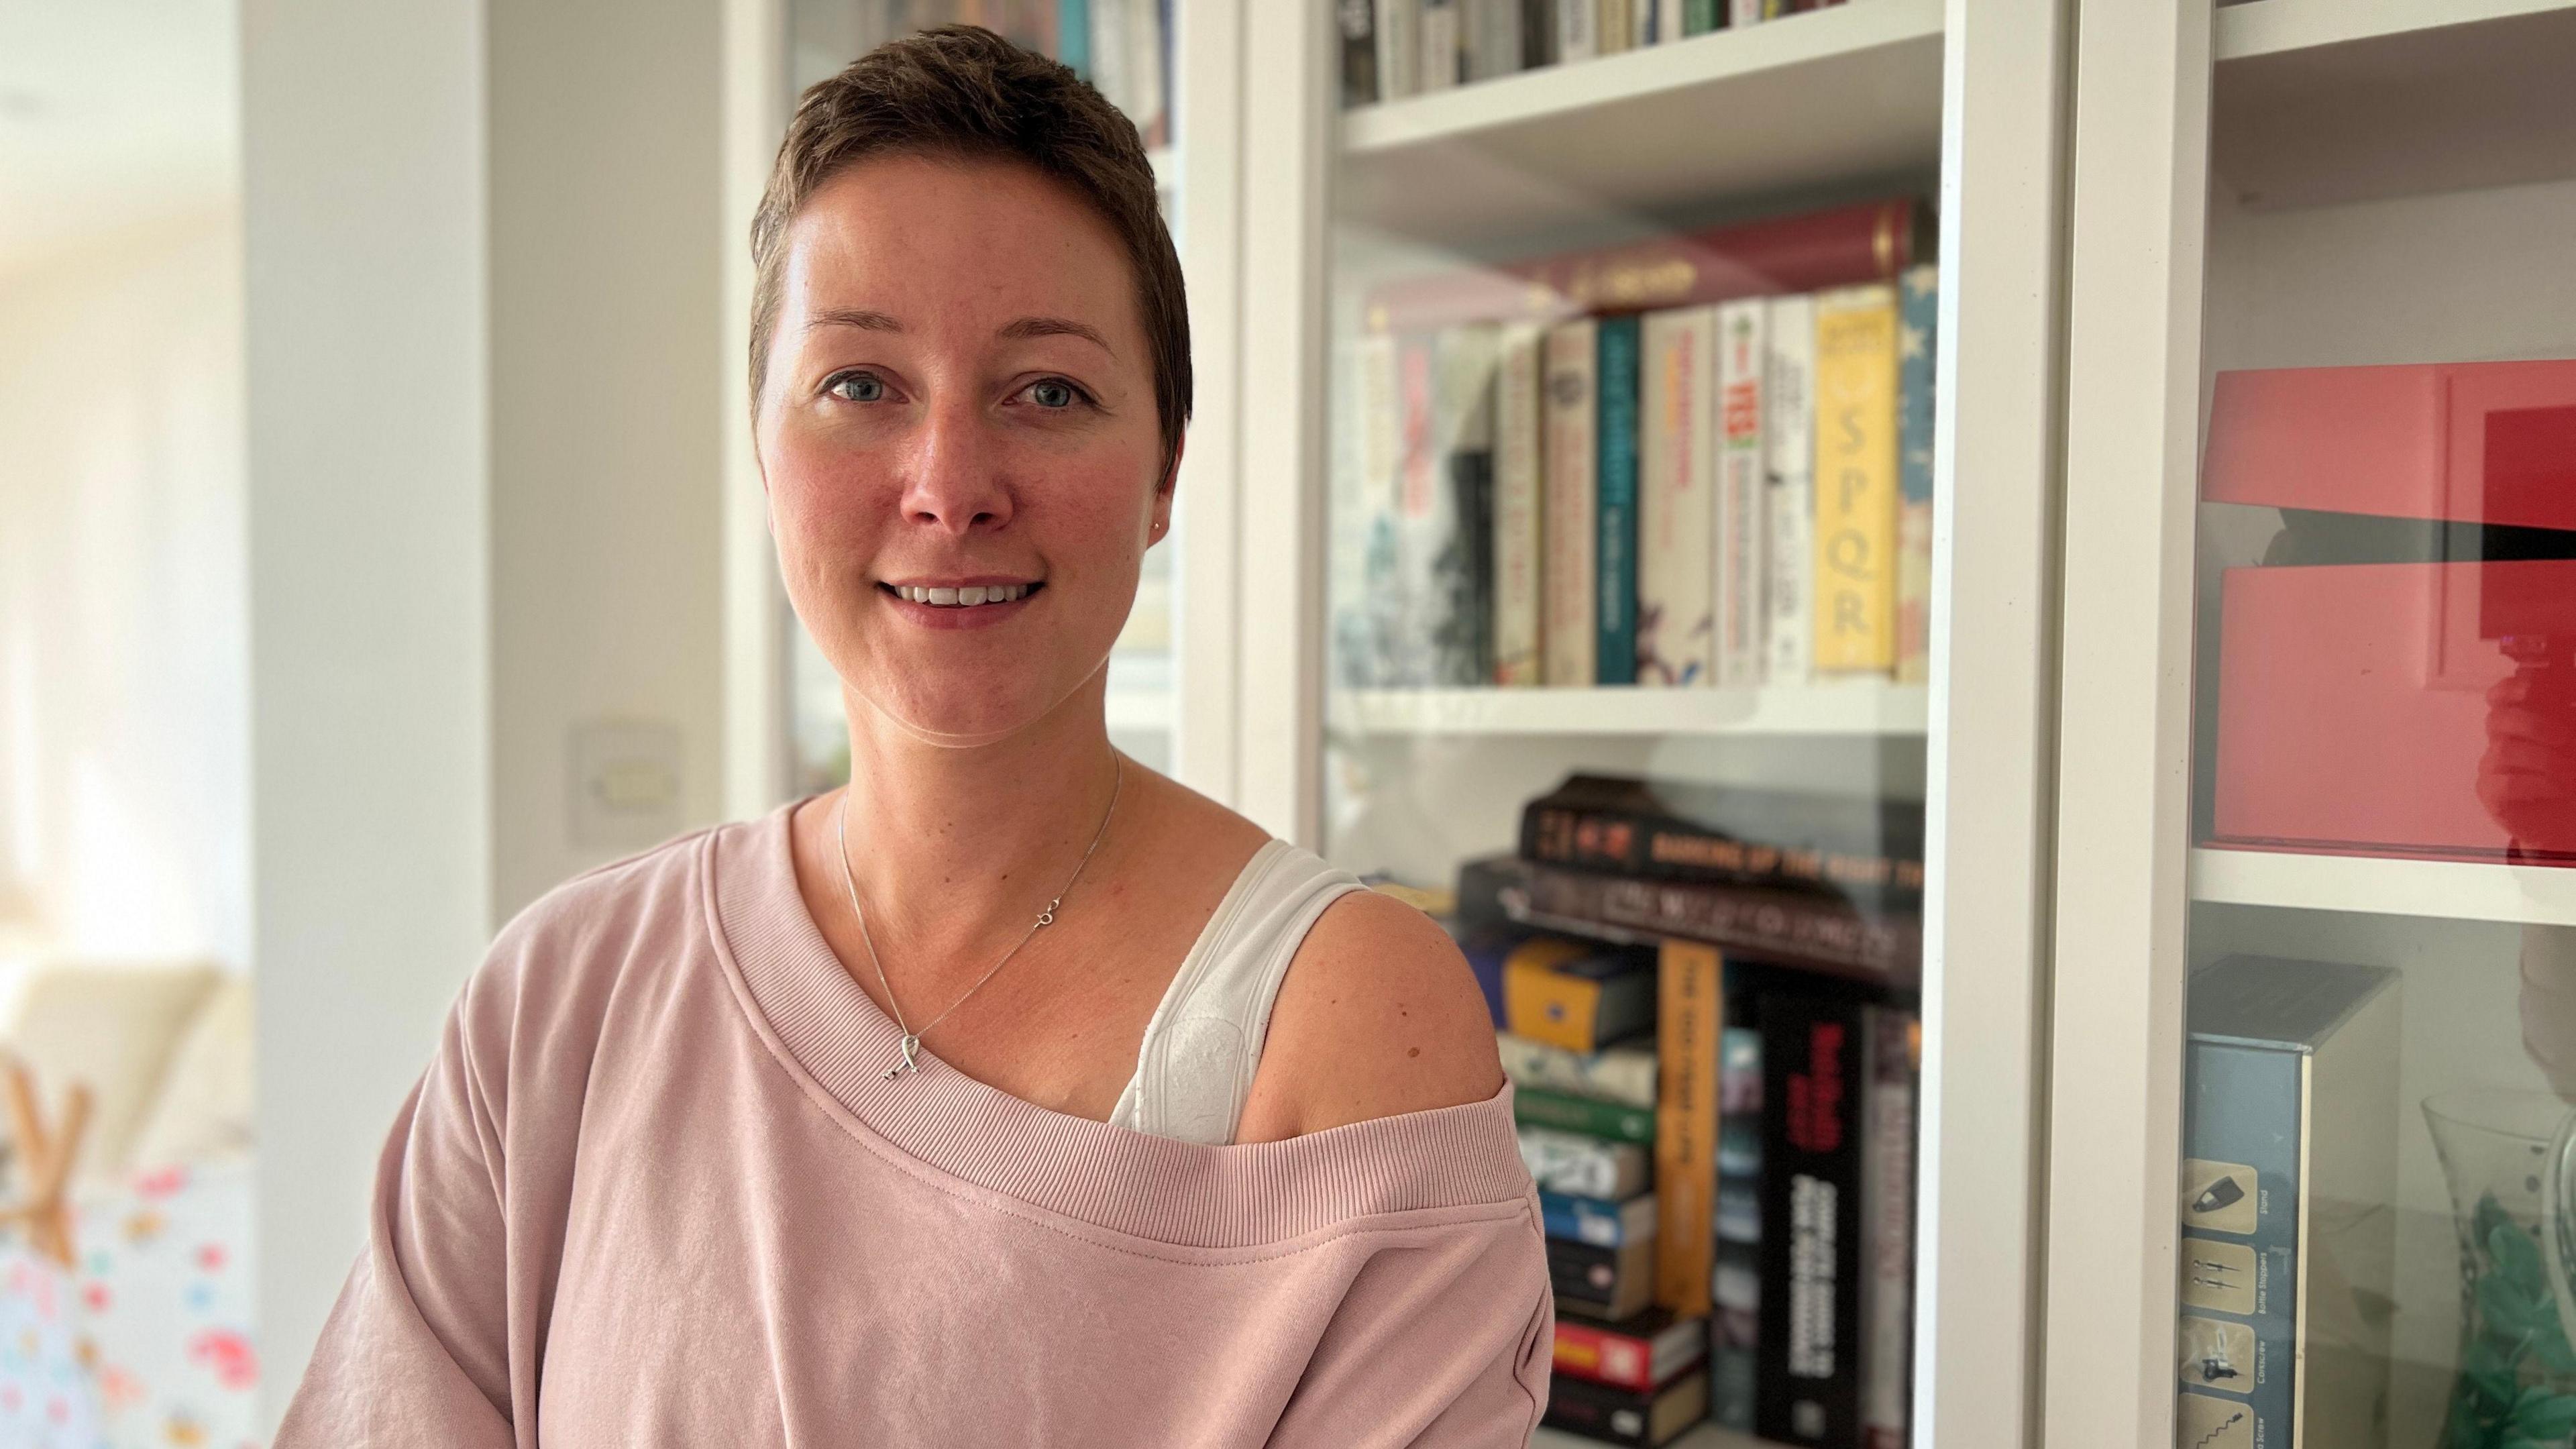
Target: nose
[{"x": 956, "y": 483}]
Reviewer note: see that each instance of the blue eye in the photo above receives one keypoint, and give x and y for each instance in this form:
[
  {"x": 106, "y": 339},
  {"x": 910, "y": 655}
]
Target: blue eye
[
  {"x": 1054, "y": 393},
  {"x": 861, "y": 387}
]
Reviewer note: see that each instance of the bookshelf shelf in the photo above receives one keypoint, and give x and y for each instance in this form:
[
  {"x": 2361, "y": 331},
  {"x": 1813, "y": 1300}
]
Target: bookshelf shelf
[
  {"x": 2326, "y": 101},
  {"x": 2536, "y": 895},
  {"x": 1842, "y": 94},
  {"x": 1706, "y": 1436},
  {"x": 1850, "y": 707}
]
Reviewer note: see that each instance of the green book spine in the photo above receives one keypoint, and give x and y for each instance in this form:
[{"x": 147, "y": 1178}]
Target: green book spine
[
  {"x": 1699, "y": 16},
  {"x": 1584, "y": 1115},
  {"x": 1073, "y": 35},
  {"x": 1616, "y": 510}
]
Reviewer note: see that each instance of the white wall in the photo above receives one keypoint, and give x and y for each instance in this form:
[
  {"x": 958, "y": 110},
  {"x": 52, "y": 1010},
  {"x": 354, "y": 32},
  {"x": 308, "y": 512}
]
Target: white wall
[
  {"x": 608, "y": 380},
  {"x": 124, "y": 710},
  {"x": 363, "y": 170},
  {"x": 487, "y": 420}
]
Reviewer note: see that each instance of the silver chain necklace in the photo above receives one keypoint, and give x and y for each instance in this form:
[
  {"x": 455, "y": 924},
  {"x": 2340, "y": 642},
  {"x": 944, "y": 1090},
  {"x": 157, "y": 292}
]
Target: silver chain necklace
[{"x": 912, "y": 1038}]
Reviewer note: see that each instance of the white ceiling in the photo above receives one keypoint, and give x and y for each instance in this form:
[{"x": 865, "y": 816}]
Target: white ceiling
[{"x": 113, "y": 112}]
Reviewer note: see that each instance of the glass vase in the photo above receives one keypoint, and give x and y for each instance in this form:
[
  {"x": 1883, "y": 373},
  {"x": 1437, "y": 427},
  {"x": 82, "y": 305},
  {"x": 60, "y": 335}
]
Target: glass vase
[{"x": 2502, "y": 1155}]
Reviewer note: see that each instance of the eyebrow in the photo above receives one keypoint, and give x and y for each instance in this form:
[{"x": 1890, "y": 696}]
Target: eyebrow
[{"x": 1020, "y": 330}]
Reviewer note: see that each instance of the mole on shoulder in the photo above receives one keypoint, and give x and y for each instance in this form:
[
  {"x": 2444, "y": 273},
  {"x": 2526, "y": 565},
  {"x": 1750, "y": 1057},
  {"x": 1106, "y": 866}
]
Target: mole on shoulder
[{"x": 1417, "y": 1051}]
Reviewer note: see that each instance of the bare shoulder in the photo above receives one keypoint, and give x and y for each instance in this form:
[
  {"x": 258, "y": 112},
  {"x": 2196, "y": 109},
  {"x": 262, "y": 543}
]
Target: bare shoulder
[{"x": 1378, "y": 1015}]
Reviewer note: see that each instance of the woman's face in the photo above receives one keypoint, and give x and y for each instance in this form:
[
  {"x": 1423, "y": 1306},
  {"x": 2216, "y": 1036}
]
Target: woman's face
[{"x": 959, "y": 398}]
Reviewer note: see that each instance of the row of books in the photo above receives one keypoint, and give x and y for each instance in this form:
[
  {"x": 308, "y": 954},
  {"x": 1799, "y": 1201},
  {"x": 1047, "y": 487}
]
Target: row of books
[
  {"x": 1722, "y": 1132},
  {"x": 1729, "y": 494},
  {"x": 1397, "y": 48}
]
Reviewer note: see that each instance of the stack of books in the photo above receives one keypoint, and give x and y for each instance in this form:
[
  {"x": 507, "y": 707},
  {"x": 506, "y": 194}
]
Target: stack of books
[
  {"x": 1700, "y": 461},
  {"x": 1397, "y": 48},
  {"x": 1720, "y": 1117}
]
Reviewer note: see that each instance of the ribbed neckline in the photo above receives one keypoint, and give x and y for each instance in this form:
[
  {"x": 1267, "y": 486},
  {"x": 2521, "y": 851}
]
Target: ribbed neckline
[{"x": 1124, "y": 1181}]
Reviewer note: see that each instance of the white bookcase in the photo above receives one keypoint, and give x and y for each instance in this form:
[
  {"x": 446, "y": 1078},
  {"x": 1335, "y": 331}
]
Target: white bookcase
[
  {"x": 2278, "y": 183},
  {"x": 2133, "y": 195}
]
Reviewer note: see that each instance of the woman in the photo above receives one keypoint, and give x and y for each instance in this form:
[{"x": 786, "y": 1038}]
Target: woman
[{"x": 1014, "y": 1094}]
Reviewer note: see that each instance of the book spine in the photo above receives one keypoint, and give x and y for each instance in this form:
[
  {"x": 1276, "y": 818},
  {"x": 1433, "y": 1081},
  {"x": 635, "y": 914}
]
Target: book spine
[
  {"x": 1625, "y": 1075},
  {"x": 1545, "y": 1004},
  {"x": 1626, "y": 1416},
  {"x": 1702, "y": 16},
  {"x": 1735, "y": 1285},
  {"x": 1920, "y": 315},
  {"x": 1377, "y": 611},
  {"x": 1458, "y": 550},
  {"x": 1420, "y": 494},
  {"x": 1569, "y": 1113},
  {"x": 1791, "y": 928},
  {"x": 1357, "y": 20},
  {"x": 1856, "y": 501},
  {"x": 1616, "y": 28},
  {"x": 1581, "y": 1166},
  {"x": 1615, "y": 508},
  {"x": 1441, "y": 33},
  {"x": 1663, "y": 848},
  {"x": 1815, "y": 1067},
  {"x": 1518, "y": 438},
  {"x": 1747, "y": 12},
  {"x": 1497, "y": 48},
  {"x": 1110, "y": 55},
  {"x": 1073, "y": 36},
  {"x": 1691, "y": 1016},
  {"x": 1597, "y": 1221},
  {"x": 1145, "y": 68},
  {"x": 1887, "y": 1207},
  {"x": 1672, "y": 20},
  {"x": 1538, "y": 32},
  {"x": 1577, "y": 29},
  {"x": 1604, "y": 1355},
  {"x": 1399, "y": 53},
  {"x": 1789, "y": 448},
  {"x": 1675, "y": 499},
  {"x": 1567, "y": 631},
  {"x": 1605, "y": 1283},
  {"x": 1740, "y": 543}
]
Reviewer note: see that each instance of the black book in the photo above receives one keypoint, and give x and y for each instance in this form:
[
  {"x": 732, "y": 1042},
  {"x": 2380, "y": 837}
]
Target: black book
[
  {"x": 1357, "y": 20},
  {"x": 1868, "y": 851},
  {"x": 1625, "y": 1416},
  {"x": 1816, "y": 1059}
]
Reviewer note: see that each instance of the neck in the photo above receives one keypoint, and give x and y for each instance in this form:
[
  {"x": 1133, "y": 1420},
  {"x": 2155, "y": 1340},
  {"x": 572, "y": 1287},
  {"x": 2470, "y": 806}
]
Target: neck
[{"x": 955, "y": 849}]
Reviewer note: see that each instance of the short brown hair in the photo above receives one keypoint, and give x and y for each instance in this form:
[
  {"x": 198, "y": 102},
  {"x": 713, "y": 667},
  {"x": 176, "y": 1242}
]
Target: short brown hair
[{"x": 961, "y": 90}]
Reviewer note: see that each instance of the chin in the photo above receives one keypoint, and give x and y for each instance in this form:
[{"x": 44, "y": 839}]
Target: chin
[{"x": 972, "y": 710}]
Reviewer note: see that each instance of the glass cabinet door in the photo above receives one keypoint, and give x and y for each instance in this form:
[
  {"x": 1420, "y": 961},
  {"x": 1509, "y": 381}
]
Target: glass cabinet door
[
  {"x": 1628, "y": 652},
  {"x": 1126, "y": 48},
  {"x": 2339, "y": 497}
]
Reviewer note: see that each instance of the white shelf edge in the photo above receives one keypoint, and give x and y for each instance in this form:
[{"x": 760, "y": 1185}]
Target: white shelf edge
[
  {"x": 2376, "y": 885},
  {"x": 1854, "y": 707},
  {"x": 2278, "y": 27},
  {"x": 1533, "y": 95}
]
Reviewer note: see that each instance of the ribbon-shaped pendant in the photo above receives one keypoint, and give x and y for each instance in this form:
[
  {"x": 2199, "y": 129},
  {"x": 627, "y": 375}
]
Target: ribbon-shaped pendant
[{"x": 911, "y": 1044}]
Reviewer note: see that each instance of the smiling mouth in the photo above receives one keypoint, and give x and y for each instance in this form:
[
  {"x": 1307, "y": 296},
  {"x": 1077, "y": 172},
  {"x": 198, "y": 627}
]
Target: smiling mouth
[{"x": 966, "y": 597}]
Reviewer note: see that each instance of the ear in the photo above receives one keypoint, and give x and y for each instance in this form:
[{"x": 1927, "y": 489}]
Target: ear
[{"x": 1164, "y": 490}]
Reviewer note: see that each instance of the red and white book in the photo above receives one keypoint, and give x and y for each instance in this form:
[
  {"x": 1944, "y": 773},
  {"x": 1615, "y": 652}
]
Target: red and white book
[
  {"x": 1742, "y": 357},
  {"x": 1676, "y": 507}
]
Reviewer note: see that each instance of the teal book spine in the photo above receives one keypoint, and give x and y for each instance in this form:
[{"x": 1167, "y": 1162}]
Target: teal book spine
[
  {"x": 1073, "y": 35},
  {"x": 1616, "y": 514}
]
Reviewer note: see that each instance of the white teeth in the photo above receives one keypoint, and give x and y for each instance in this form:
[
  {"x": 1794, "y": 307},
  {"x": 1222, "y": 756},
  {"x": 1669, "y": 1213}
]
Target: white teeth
[{"x": 972, "y": 594}]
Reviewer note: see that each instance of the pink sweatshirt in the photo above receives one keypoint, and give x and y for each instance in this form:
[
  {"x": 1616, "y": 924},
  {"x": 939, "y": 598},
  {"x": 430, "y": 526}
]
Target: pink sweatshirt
[{"x": 654, "y": 1191}]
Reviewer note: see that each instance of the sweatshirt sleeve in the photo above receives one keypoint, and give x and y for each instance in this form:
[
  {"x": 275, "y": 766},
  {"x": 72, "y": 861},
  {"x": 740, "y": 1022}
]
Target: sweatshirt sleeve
[
  {"x": 1441, "y": 1343},
  {"x": 416, "y": 1349}
]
